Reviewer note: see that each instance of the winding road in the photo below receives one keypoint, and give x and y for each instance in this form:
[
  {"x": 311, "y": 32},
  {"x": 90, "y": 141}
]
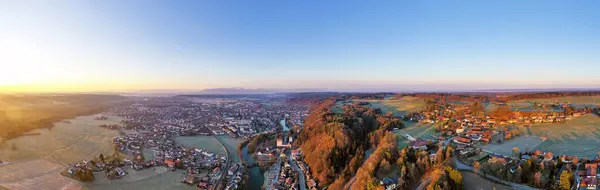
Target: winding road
[
  {"x": 301, "y": 173},
  {"x": 226, "y": 165}
]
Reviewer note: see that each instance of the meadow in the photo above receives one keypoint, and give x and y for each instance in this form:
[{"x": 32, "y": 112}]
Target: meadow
[
  {"x": 77, "y": 139},
  {"x": 475, "y": 182},
  {"x": 399, "y": 107},
  {"x": 45, "y": 175},
  {"x": 155, "y": 178},
  {"x": 579, "y": 137},
  {"x": 577, "y": 101},
  {"x": 51, "y": 150},
  {"x": 524, "y": 143},
  {"x": 339, "y": 106},
  {"x": 208, "y": 143},
  {"x": 416, "y": 130}
]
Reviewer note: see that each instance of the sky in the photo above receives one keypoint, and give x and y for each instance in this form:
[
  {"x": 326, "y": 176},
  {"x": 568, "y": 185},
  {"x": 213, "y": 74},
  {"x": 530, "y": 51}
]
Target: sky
[{"x": 335, "y": 45}]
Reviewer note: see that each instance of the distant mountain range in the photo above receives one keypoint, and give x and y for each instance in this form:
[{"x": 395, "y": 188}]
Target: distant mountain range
[
  {"x": 255, "y": 91},
  {"x": 258, "y": 91},
  {"x": 229, "y": 91}
]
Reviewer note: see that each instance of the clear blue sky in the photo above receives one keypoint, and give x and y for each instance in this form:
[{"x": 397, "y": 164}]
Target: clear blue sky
[{"x": 338, "y": 45}]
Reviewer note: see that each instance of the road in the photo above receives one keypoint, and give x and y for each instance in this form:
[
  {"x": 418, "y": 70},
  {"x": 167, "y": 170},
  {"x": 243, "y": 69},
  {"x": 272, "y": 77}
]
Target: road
[
  {"x": 223, "y": 172},
  {"x": 423, "y": 184},
  {"x": 353, "y": 179},
  {"x": 268, "y": 182},
  {"x": 576, "y": 175},
  {"x": 295, "y": 167}
]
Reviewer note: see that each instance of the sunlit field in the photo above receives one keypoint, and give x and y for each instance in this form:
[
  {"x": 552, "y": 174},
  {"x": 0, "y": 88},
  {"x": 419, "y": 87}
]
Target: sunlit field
[
  {"x": 476, "y": 182},
  {"x": 580, "y": 136},
  {"x": 416, "y": 130},
  {"x": 524, "y": 143},
  {"x": 35, "y": 174},
  {"x": 65, "y": 143},
  {"x": 154, "y": 178},
  {"x": 208, "y": 143},
  {"x": 577, "y": 101},
  {"x": 399, "y": 106}
]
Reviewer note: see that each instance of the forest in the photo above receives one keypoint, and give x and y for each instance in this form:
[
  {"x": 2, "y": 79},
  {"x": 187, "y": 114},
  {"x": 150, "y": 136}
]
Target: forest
[
  {"x": 331, "y": 142},
  {"x": 334, "y": 145}
]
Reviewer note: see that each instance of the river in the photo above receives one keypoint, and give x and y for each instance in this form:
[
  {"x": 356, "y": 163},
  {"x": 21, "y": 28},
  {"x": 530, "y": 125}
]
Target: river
[{"x": 255, "y": 176}]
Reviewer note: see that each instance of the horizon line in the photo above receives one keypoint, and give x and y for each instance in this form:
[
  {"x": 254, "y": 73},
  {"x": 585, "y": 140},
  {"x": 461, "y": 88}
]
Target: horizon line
[{"x": 268, "y": 91}]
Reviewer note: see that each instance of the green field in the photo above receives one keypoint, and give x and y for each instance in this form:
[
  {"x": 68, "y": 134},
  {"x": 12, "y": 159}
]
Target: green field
[
  {"x": 208, "y": 143},
  {"x": 416, "y": 130},
  {"x": 577, "y": 101},
  {"x": 579, "y": 137},
  {"x": 524, "y": 106},
  {"x": 339, "y": 106},
  {"x": 399, "y": 106},
  {"x": 524, "y": 143},
  {"x": 154, "y": 178},
  {"x": 475, "y": 182}
]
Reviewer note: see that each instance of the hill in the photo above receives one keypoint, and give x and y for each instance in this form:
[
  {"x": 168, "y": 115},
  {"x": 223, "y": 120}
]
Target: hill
[{"x": 334, "y": 144}]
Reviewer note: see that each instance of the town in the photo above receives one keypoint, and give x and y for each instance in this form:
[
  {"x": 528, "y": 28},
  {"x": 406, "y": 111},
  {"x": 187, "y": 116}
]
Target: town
[
  {"x": 470, "y": 127},
  {"x": 149, "y": 129},
  {"x": 265, "y": 131}
]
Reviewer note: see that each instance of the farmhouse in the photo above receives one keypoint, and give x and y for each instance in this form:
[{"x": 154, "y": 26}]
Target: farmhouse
[
  {"x": 232, "y": 169},
  {"x": 419, "y": 144},
  {"x": 284, "y": 142},
  {"x": 462, "y": 140},
  {"x": 591, "y": 169},
  {"x": 548, "y": 156},
  {"x": 588, "y": 183}
]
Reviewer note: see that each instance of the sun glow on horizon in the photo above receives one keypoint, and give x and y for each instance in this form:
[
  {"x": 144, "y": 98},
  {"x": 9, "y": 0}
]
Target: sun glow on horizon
[{"x": 80, "y": 46}]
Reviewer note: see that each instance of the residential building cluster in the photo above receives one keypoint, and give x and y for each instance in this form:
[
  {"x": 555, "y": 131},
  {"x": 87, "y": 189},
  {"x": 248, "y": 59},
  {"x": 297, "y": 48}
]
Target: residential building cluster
[
  {"x": 468, "y": 128},
  {"x": 149, "y": 128}
]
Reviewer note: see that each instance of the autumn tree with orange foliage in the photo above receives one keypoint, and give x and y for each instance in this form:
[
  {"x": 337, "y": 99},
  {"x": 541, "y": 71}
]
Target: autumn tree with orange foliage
[
  {"x": 502, "y": 113},
  {"x": 386, "y": 152},
  {"x": 330, "y": 141}
]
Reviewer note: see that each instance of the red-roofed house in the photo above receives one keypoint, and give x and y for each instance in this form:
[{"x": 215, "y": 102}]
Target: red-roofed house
[
  {"x": 419, "y": 144},
  {"x": 462, "y": 140},
  {"x": 591, "y": 169}
]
